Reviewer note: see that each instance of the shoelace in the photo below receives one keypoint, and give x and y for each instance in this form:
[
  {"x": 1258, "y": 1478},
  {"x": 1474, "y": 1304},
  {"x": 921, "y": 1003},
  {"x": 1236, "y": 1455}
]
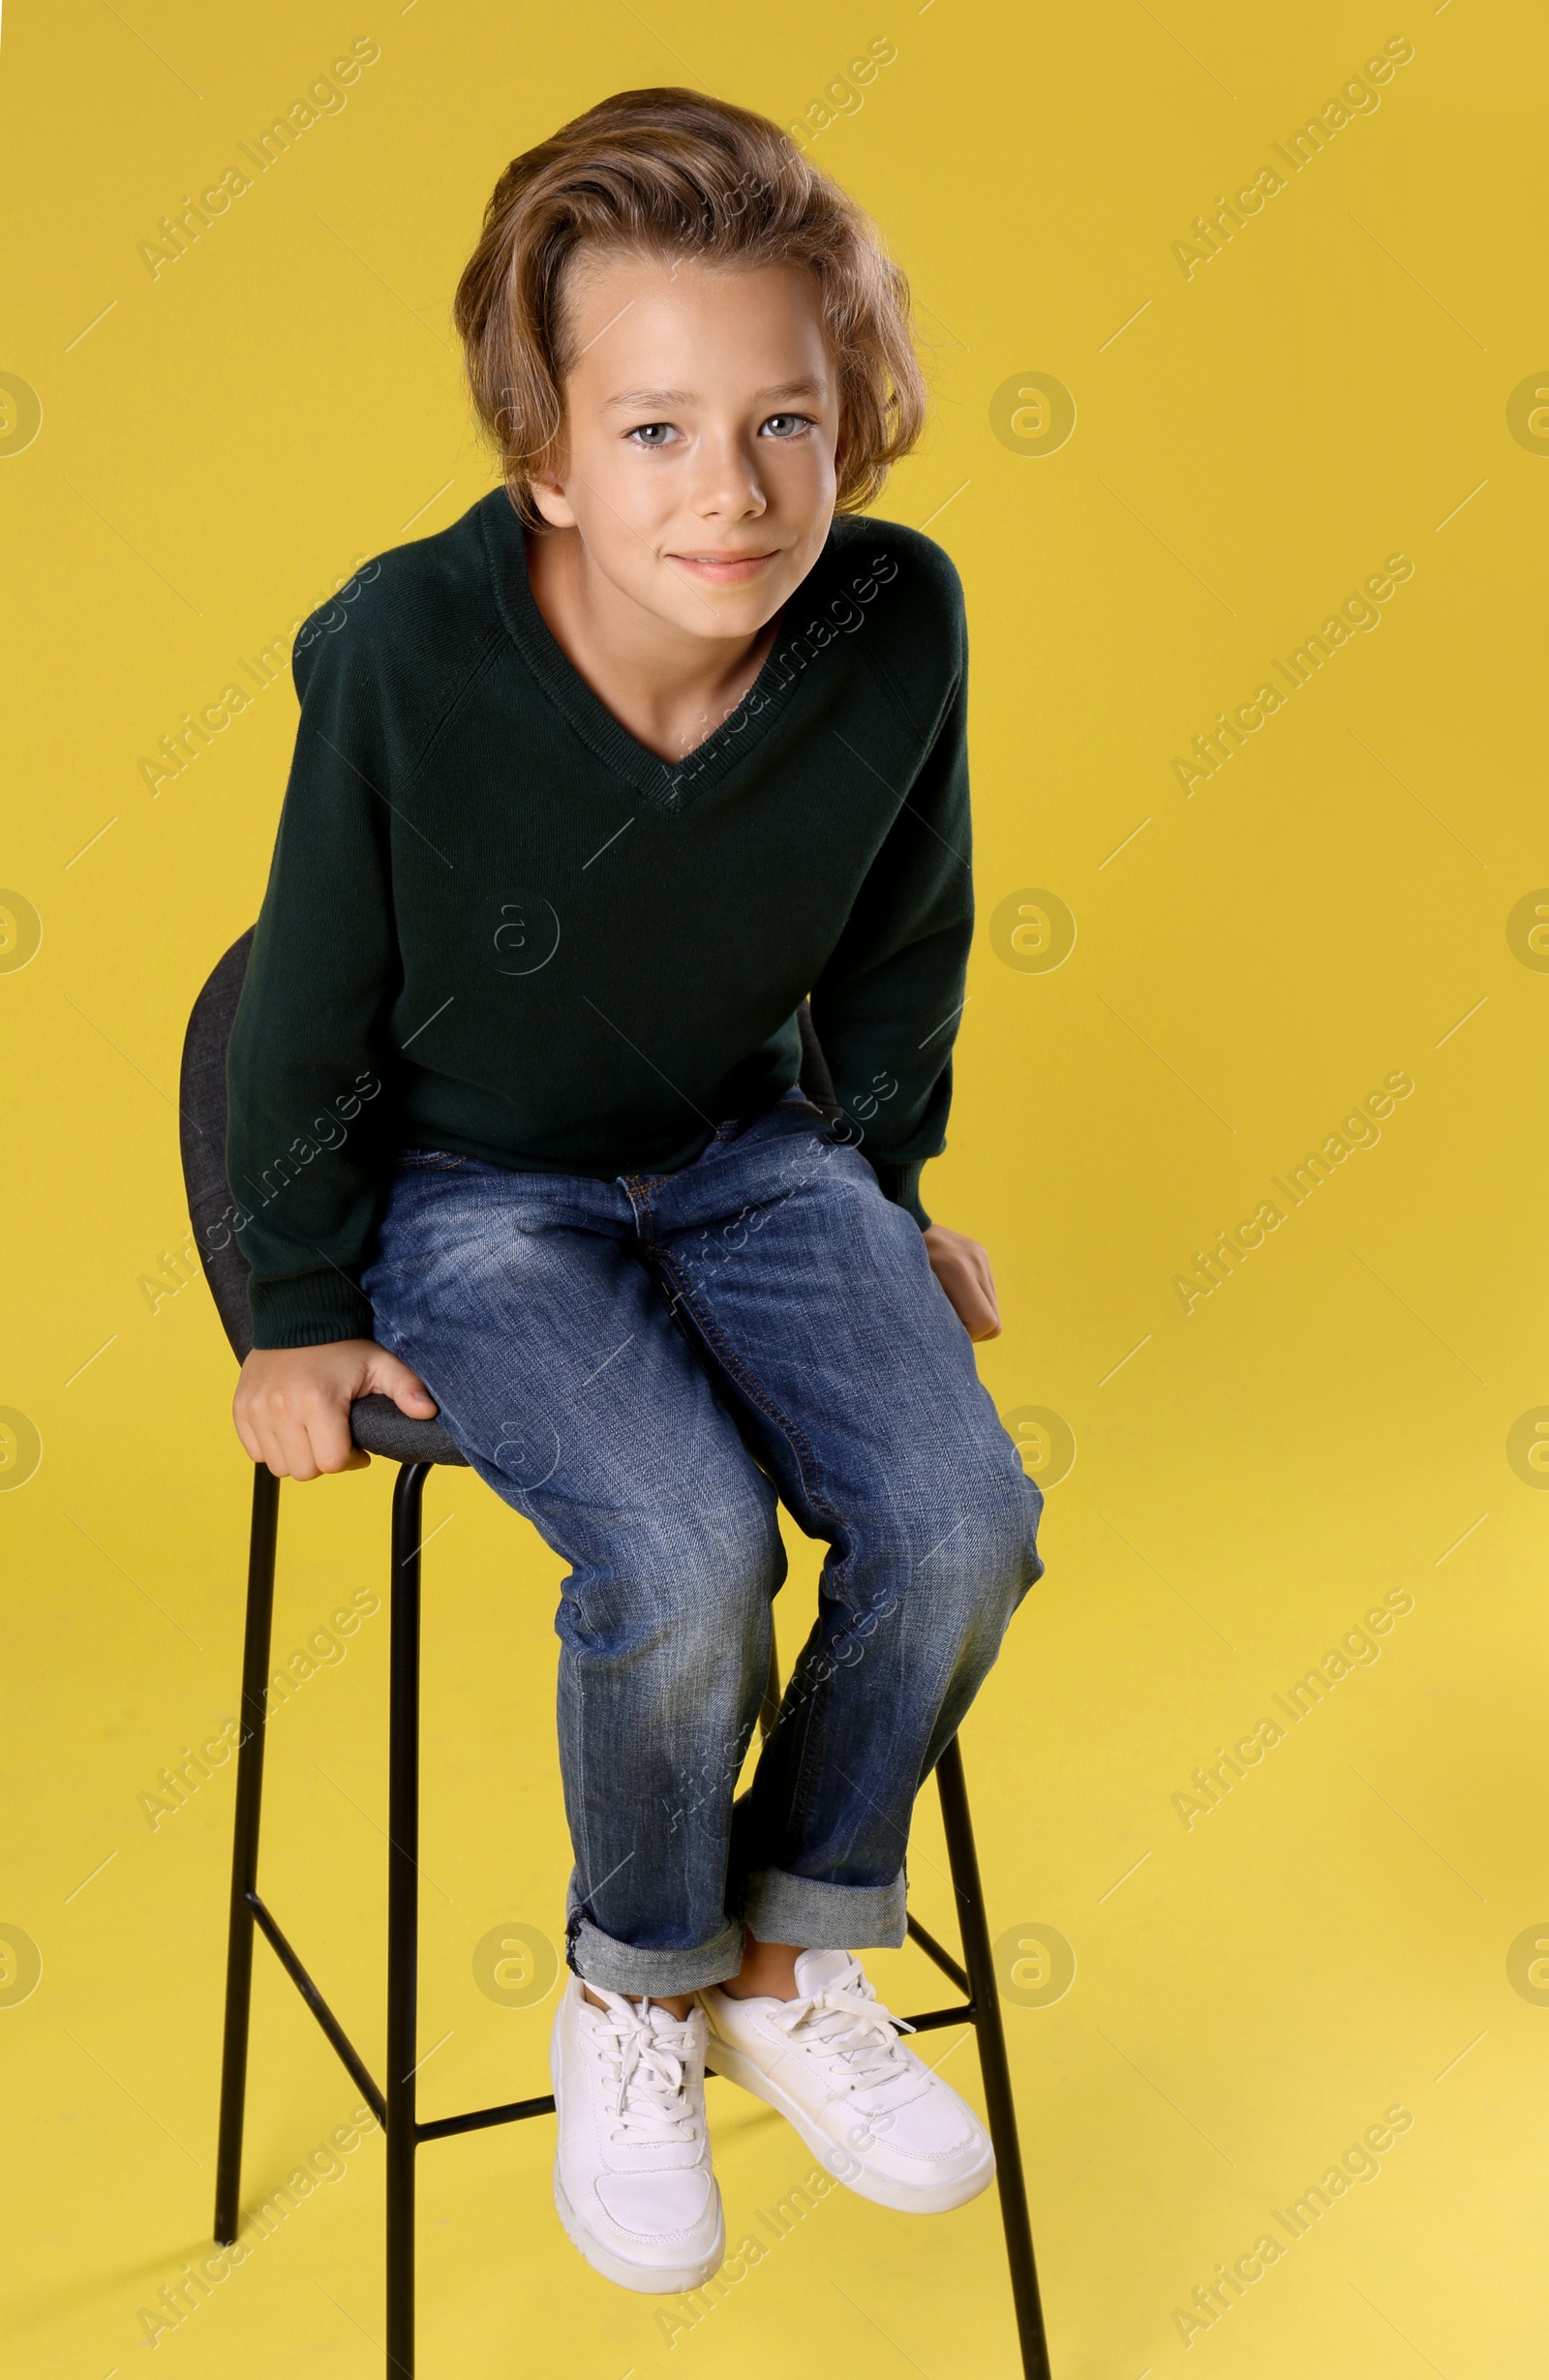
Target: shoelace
[
  {"x": 849, "y": 2026},
  {"x": 650, "y": 2106}
]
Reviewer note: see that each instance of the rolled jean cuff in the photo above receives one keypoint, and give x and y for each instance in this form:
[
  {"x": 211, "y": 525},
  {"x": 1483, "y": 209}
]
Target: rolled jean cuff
[
  {"x": 815, "y": 1916},
  {"x": 609, "y": 1966}
]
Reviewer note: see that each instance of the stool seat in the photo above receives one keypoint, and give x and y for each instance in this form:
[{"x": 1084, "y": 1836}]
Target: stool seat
[{"x": 378, "y": 1427}]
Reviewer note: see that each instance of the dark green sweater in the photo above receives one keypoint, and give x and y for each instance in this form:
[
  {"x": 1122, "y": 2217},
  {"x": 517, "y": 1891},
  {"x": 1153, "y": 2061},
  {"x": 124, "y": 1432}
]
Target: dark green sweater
[{"x": 497, "y": 923}]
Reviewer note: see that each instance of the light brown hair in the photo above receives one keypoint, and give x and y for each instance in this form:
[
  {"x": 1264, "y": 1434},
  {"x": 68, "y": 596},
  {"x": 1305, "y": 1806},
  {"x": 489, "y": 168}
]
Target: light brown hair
[{"x": 670, "y": 172}]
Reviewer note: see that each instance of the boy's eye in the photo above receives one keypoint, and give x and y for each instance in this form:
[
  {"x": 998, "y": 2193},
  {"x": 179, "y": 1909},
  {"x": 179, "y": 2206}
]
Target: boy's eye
[{"x": 651, "y": 434}]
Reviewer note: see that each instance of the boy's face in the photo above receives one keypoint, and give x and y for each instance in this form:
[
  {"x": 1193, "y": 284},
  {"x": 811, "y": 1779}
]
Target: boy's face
[{"x": 700, "y": 422}]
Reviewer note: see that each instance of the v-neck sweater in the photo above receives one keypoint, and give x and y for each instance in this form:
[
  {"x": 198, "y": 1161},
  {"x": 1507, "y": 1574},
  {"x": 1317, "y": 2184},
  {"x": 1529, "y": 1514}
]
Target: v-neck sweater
[{"x": 499, "y": 925}]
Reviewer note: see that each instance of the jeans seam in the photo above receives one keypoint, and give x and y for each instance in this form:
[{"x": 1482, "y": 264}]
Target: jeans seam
[{"x": 583, "y": 1805}]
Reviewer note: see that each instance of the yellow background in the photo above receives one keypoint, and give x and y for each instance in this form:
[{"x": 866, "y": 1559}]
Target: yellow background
[{"x": 217, "y": 448}]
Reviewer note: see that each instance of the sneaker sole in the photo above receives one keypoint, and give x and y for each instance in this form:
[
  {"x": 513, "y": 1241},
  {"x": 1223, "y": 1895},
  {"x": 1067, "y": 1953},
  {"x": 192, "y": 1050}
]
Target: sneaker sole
[
  {"x": 881, "y": 2188},
  {"x": 656, "y": 2280}
]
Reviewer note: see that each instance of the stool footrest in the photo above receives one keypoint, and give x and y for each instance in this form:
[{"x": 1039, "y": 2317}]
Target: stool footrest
[
  {"x": 355, "y": 2063},
  {"x": 934, "y": 2018},
  {"x": 479, "y": 2119}
]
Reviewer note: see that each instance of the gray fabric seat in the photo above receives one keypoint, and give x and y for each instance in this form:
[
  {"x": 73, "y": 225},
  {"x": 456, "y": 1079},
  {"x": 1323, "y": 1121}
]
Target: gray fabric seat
[{"x": 376, "y": 1423}]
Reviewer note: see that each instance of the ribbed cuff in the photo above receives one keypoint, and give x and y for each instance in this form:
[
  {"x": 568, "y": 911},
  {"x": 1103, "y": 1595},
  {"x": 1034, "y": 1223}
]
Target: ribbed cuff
[
  {"x": 900, "y": 1178},
  {"x": 312, "y": 1309}
]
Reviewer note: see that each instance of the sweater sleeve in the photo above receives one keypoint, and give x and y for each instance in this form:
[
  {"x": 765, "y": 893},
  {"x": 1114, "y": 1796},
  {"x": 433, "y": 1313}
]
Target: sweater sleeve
[
  {"x": 309, "y": 1052},
  {"x": 886, "y": 1006}
]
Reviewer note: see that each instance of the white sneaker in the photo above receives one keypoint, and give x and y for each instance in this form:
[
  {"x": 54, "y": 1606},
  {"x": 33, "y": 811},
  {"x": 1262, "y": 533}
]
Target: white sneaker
[
  {"x": 632, "y": 2177},
  {"x": 875, "y": 2114}
]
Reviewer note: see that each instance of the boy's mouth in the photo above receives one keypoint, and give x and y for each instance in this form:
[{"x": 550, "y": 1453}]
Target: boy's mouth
[{"x": 724, "y": 569}]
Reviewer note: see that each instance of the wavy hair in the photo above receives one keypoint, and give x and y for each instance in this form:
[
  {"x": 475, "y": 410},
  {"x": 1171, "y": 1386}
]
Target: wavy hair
[{"x": 673, "y": 172}]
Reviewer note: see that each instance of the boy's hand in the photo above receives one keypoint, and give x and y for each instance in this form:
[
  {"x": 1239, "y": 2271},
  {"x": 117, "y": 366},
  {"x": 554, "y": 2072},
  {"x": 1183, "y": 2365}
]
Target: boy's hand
[
  {"x": 961, "y": 1267},
  {"x": 292, "y": 1406}
]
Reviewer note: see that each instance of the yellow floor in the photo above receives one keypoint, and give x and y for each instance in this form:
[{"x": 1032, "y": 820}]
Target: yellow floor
[{"x": 1327, "y": 1980}]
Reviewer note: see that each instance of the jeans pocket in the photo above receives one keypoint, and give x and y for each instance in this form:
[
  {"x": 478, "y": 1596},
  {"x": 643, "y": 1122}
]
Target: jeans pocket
[{"x": 418, "y": 1160}]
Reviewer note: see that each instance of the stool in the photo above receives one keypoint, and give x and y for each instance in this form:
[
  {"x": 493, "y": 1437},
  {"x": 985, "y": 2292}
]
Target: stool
[{"x": 377, "y": 1426}]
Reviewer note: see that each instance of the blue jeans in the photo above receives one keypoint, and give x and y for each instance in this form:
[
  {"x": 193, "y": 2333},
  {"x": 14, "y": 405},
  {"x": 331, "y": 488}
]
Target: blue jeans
[{"x": 641, "y": 1366}]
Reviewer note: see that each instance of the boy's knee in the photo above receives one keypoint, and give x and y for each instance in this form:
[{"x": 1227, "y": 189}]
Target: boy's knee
[
  {"x": 698, "y": 1568},
  {"x": 715, "y": 1546},
  {"x": 934, "y": 1582},
  {"x": 970, "y": 1538}
]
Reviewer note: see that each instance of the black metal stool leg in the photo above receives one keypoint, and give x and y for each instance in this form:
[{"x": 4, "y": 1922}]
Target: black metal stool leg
[
  {"x": 244, "y": 1853},
  {"x": 403, "y": 1917},
  {"x": 999, "y": 2106}
]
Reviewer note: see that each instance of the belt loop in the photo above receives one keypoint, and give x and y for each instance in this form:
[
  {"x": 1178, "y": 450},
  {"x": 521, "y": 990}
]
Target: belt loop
[{"x": 635, "y": 1189}]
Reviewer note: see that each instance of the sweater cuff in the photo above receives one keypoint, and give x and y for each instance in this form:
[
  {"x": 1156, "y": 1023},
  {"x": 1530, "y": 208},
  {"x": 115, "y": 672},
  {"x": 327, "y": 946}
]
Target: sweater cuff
[
  {"x": 901, "y": 1182},
  {"x": 312, "y": 1309}
]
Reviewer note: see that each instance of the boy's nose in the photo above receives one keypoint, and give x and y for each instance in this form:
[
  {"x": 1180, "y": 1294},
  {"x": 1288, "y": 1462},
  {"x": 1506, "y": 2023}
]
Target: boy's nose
[{"x": 727, "y": 482}]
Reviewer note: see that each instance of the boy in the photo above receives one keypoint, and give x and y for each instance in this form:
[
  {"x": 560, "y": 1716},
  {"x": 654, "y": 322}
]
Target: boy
[{"x": 590, "y": 791}]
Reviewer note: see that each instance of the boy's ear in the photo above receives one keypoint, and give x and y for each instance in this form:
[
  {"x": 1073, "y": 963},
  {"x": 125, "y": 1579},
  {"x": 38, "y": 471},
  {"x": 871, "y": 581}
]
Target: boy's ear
[{"x": 553, "y": 503}]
